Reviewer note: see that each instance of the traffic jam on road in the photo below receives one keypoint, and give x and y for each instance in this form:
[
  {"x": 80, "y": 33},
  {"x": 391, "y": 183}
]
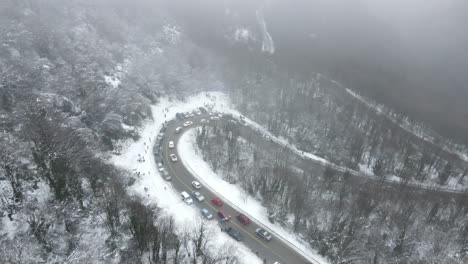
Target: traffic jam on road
[{"x": 195, "y": 193}]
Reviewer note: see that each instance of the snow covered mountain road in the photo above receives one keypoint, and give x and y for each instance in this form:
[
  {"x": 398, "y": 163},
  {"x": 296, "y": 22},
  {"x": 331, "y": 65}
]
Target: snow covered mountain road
[{"x": 276, "y": 250}]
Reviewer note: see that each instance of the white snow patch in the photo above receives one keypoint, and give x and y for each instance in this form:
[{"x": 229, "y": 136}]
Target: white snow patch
[
  {"x": 127, "y": 128},
  {"x": 189, "y": 155},
  {"x": 365, "y": 169},
  {"x": 112, "y": 81}
]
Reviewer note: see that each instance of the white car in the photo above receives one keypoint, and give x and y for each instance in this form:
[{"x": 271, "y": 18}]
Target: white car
[
  {"x": 214, "y": 117},
  {"x": 160, "y": 167},
  {"x": 171, "y": 144},
  {"x": 178, "y": 129},
  {"x": 187, "y": 123},
  {"x": 173, "y": 157},
  {"x": 204, "y": 121},
  {"x": 198, "y": 112},
  {"x": 196, "y": 184},
  {"x": 186, "y": 198}
]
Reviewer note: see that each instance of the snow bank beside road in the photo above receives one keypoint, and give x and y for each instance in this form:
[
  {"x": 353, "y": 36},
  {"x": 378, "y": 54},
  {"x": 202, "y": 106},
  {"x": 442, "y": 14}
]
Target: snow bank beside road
[
  {"x": 154, "y": 190},
  {"x": 234, "y": 195}
]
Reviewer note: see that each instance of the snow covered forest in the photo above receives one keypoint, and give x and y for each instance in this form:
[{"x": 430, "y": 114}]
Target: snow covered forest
[
  {"x": 348, "y": 222},
  {"x": 83, "y": 81},
  {"x": 78, "y": 77}
]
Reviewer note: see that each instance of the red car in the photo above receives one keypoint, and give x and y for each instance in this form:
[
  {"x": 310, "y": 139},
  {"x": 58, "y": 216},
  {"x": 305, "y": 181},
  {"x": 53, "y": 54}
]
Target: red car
[
  {"x": 216, "y": 201},
  {"x": 223, "y": 216},
  {"x": 243, "y": 219}
]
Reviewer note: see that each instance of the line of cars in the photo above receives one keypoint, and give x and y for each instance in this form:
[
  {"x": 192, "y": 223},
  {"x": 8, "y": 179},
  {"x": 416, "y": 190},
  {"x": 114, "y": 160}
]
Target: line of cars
[
  {"x": 196, "y": 195},
  {"x": 221, "y": 214},
  {"x": 197, "y": 112}
]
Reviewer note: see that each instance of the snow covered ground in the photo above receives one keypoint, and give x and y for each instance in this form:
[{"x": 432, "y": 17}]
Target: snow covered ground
[
  {"x": 190, "y": 155},
  {"x": 154, "y": 190}
]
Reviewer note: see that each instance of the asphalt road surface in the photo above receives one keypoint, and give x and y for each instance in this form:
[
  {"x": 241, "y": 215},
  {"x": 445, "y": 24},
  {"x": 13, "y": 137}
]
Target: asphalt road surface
[{"x": 276, "y": 250}]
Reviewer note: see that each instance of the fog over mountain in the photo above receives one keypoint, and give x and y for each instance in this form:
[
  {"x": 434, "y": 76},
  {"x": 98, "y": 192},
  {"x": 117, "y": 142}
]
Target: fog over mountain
[
  {"x": 233, "y": 131},
  {"x": 410, "y": 55}
]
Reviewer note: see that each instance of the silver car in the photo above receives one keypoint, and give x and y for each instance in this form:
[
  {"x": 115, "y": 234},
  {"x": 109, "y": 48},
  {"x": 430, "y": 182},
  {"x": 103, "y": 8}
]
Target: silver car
[
  {"x": 198, "y": 196},
  {"x": 206, "y": 214},
  {"x": 263, "y": 233}
]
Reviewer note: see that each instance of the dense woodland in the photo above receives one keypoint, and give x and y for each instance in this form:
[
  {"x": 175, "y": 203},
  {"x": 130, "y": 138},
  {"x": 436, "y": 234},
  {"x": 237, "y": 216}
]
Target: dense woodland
[
  {"x": 347, "y": 222},
  {"x": 321, "y": 117}
]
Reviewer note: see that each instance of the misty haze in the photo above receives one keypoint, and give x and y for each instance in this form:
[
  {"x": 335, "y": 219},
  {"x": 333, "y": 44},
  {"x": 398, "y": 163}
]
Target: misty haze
[{"x": 233, "y": 131}]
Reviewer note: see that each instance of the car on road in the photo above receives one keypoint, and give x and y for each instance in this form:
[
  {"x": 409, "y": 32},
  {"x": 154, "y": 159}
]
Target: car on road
[
  {"x": 204, "y": 121},
  {"x": 160, "y": 167},
  {"x": 166, "y": 176},
  {"x": 171, "y": 144},
  {"x": 216, "y": 201},
  {"x": 206, "y": 214},
  {"x": 233, "y": 233},
  {"x": 178, "y": 129},
  {"x": 188, "y": 123},
  {"x": 243, "y": 219},
  {"x": 197, "y": 112},
  {"x": 263, "y": 233},
  {"x": 214, "y": 117},
  {"x": 160, "y": 136},
  {"x": 223, "y": 216},
  {"x": 203, "y": 110},
  {"x": 196, "y": 185},
  {"x": 198, "y": 196},
  {"x": 186, "y": 198},
  {"x": 173, "y": 157},
  {"x": 187, "y": 115}
]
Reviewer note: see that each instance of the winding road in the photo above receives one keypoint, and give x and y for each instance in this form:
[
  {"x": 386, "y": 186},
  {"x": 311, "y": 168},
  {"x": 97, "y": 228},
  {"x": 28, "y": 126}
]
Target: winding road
[{"x": 278, "y": 249}]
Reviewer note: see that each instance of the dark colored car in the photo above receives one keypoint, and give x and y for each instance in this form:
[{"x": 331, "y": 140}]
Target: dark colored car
[
  {"x": 233, "y": 233},
  {"x": 216, "y": 201},
  {"x": 203, "y": 110},
  {"x": 166, "y": 176},
  {"x": 223, "y": 216},
  {"x": 243, "y": 219}
]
